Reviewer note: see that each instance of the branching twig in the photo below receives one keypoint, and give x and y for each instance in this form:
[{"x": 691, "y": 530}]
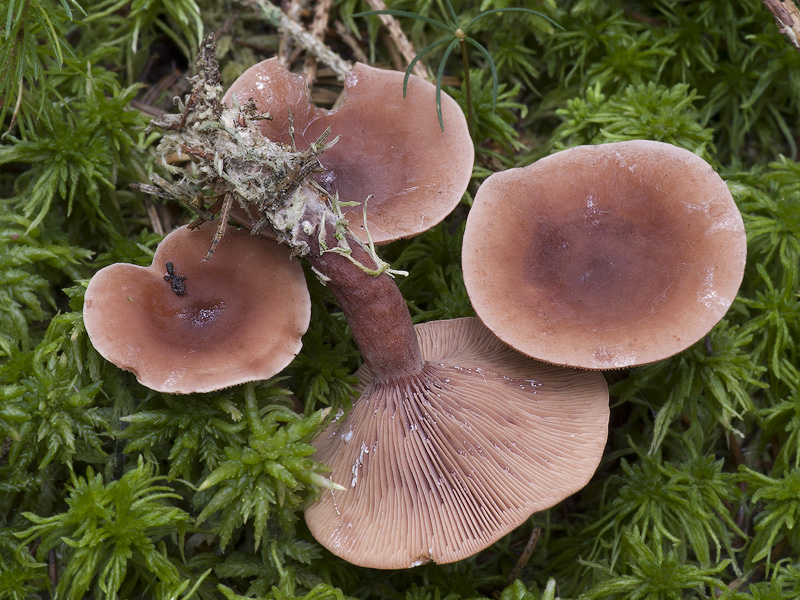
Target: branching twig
[
  {"x": 526, "y": 554},
  {"x": 318, "y": 27},
  {"x": 321, "y": 52},
  {"x": 399, "y": 38},
  {"x": 351, "y": 42},
  {"x": 293, "y": 9},
  {"x": 787, "y": 18}
]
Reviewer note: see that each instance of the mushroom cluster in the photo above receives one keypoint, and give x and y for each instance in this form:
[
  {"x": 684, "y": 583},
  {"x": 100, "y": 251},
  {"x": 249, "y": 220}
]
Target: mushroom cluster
[{"x": 456, "y": 438}]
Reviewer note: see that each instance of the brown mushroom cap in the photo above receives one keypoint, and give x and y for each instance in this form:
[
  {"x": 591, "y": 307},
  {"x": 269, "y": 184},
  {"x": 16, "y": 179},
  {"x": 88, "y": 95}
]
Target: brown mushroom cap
[
  {"x": 604, "y": 256},
  {"x": 241, "y": 318},
  {"x": 391, "y": 147},
  {"x": 439, "y": 466}
]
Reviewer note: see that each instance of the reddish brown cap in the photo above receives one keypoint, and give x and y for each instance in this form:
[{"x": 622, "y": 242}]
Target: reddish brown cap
[
  {"x": 391, "y": 147},
  {"x": 240, "y": 319},
  {"x": 604, "y": 256},
  {"x": 438, "y": 466}
]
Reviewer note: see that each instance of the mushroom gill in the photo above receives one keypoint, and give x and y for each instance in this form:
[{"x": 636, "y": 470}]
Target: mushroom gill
[{"x": 438, "y": 465}]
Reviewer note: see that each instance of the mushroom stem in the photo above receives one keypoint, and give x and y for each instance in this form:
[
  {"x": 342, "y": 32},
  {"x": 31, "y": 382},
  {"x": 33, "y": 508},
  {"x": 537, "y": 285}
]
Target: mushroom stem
[{"x": 374, "y": 308}]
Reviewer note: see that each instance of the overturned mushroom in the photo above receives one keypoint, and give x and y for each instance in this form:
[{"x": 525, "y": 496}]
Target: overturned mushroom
[
  {"x": 187, "y": 325},
  {"x": 439, "y": 464},
  {"x": 604, "y": 256}
]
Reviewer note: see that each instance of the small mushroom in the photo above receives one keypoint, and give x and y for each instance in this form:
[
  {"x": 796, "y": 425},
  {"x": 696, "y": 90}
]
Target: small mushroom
[
  {"x": 604, "y": 256},
  {"x": 186, "y": 325},
  {"x": 440, "y": 464},
  {"x": 391, "y": 149}
]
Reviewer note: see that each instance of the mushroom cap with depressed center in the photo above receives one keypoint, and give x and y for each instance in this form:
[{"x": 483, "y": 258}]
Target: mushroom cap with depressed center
[
  {"x": 439, "y": 466},
  {"x": 391, "y": 148},
  {"x": 604, "y": 256},
  {"x": 241, "y": 318}
]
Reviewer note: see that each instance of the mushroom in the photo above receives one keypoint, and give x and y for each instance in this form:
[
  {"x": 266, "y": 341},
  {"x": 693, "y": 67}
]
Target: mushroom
[
  {"x": 187, "y": 325},
  {"x": 440, "y": 464},
  {"x": 391, "y": 150},
  {"x": 604, "y": 256}
]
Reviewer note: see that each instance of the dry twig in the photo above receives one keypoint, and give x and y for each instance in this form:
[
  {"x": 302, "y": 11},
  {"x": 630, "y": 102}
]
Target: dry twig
[
  {"x": 787, "y": 18},
  {"x": 351, "y": 42},
  {"x": 301, "y": 36},
  {"x": 294, "y": 9},
  {"x": 399, "y": 38},
  {"x": 318, "y": 27},
  {"x": 155, "y": 218},
  {"x": 526, "y": 554},
  {"x": 394, "y": 55}
]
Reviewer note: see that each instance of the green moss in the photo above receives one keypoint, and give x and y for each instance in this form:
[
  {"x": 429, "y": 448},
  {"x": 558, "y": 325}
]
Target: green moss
[{"x": 110, "y": 490}]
